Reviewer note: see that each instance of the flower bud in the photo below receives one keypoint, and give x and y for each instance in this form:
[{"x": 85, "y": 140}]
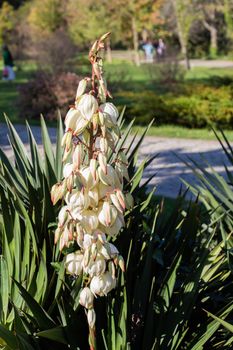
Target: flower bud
[
  {"x": 96, "y": 267},
  {"x": 113, "y": 250},
  {"x": 77, "y": 157},
  {"x": 101, "y": 118},
  {"x": 57, "y": 235},
  {"x": 87, "y": 106},
  {"x": 107, "y": 214},
  {"x": 80, "y": 126},
  {"x": 103, "y": 145},
  {"x": 56, "y": 193},
  {"x": 103, "y": 284},
  {"x": 86, "y": 298},
  {"x": 111, "y": 110},
  {"x": 97, "y": 285},
  {"x": 112, "y": 269},
  {"x": 66, "y": 155},
  {"x": 114, "y": 229},
  {"x": 91, "y": 318},
  {"x": 87, "y": 178},
  {"x": 120, "y": 198},
  {"x": 93, "y": 195},
  {"x": 81, "y": 88},
  {"x": 87, "y": 241},
  {"x": 116, "y": 202},
  {"x": 86, "y": 257},
  {"x": 73, "y": 263},
  {"x": 121, "y": 263},
  {"x": 67, "y": 170},
  {"x": 103, "y": 162},
  {"x": 108, "y": 177},
  {"x": 63, "y": 216},
  {"x": 93, "y": 166},
  {"x": 95, "y": 122},
  {"x": 89, "y": 220},
  {"x": 71, "y": 119}
]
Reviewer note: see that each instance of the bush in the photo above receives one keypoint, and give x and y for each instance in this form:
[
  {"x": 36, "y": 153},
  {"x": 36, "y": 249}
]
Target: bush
[
  {"x": 46, "y": 93},
  {"x": 197, "y": 106}
]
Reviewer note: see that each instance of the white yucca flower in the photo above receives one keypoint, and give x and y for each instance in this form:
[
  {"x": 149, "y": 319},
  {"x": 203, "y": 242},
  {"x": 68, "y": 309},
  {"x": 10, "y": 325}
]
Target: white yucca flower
[
  {"x": 88, "y": 106},
  {"x": 86, "y": 298},
  {"x": 73, "y": 263},
  {"x": 92, "y": 189}
]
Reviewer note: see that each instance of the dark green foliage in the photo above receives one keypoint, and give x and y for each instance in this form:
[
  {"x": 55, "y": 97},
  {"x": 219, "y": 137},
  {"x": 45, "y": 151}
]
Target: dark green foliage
[
  {"x": 194, "y": 107},
  {"x": 177, "y": 265}
]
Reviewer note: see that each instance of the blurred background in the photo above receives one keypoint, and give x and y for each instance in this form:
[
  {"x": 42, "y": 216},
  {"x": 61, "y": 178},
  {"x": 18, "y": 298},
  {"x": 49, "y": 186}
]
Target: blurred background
[{"x": 168, "y": 59}]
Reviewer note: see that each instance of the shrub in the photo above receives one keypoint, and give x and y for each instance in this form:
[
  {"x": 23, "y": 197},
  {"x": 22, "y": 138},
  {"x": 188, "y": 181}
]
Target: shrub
[
  {"x": 47, "y": 93},
  {"x": 168, "y": 71},
  {"x": 197, "y": 106}
]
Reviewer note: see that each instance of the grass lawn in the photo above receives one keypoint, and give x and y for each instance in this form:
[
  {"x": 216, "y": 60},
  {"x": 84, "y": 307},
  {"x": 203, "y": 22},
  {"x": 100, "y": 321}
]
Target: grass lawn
[
  {"x": 181, "y": 132},
  {"x": 122, "y": 75},
  {"x": 9, "y": 91}
]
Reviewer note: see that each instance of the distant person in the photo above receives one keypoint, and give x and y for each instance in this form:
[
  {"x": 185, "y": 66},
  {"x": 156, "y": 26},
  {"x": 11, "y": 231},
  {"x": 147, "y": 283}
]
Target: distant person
[
  {"x": 161, "y": 47},
  {"x": 8, "y": 71},
  {"x": 149, "y": 51}
]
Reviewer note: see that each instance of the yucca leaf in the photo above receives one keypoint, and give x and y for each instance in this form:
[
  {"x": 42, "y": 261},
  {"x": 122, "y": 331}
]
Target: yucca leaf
[
  {"x": 207, "y": 331},
  {"x": 139, "y": 142},
  {"x": 225, "y": 324},
  {"x": 8, "y": 337},
  {"x": 48, "y": 154},
  {"x": 60, "y": 279},
  {"x": 57, "y": 334},
  {"x": 43, "y": 320},
  {"x": 4, "y": 289},
  {"x": 59, "y": 151},
  {"x": 18, "y": 146}
]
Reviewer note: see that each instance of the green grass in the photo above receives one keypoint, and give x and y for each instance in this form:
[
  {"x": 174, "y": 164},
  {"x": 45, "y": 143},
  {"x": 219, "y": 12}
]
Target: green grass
[
  {"x": 173, "y": 131},
  {"x": 122, "y": 75},
  {"x": 9, "y": 91}
]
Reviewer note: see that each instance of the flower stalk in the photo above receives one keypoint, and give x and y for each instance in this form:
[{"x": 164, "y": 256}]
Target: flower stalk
[{"x": 92, "y": 189}]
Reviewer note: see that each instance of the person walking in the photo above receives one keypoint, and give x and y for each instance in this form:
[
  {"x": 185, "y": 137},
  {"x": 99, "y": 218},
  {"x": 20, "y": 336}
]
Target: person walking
[
  {"x": 8, "y": 71},
  {"x": 149, "y": 51},
  {"x": 161, "y": 47}
]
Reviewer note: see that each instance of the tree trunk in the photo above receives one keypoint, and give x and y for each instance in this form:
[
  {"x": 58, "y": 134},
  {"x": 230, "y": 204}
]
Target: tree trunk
[
  {"x": 213, "y": 38},
  {"x": 109, "y": 51},
  {"x": 213, "y": 42},
  {"x": 184, "y": 50},
  {"x": 135, "y": 42},
  {"x": 182, "y": 38}
]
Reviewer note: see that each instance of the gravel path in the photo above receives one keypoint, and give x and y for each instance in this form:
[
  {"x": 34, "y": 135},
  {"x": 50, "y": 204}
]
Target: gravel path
[{"x": 169, "y": 168}]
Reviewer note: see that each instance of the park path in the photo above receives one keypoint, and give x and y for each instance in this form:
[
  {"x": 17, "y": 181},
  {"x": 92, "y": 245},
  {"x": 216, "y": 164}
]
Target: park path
[
  {"x": 169, "y": 167},
  {"x": 215, "y": 63}
]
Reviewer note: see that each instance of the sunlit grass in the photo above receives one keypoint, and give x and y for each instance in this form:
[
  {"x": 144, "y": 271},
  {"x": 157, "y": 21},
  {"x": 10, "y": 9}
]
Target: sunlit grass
[{"x": 181, "y": 132}]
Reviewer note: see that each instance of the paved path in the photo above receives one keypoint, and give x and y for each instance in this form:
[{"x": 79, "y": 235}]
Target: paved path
[
  {"x": 169, "y": 168},
  {"x": 216, "y": 63}
]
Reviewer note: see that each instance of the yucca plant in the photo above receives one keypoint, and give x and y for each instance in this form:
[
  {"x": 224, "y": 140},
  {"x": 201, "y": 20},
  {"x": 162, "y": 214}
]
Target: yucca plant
[
  {"x": 39, "y": 306},
  {"x": 176, "y": 264}
]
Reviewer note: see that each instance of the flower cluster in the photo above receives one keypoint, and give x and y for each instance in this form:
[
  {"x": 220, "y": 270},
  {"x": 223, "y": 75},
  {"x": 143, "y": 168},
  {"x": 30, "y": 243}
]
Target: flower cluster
[{"x": 92, "y": 188}]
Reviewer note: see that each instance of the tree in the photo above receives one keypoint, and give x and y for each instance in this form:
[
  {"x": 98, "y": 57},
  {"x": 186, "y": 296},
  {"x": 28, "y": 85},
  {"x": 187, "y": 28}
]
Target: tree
[
  {"x": 228, "y": 15},
  {"x": 89, "y": 24},
  {"x": 185, "y": 17},
  {"x": 125, "y": 20},
  {"x": 210, "y": 11},
  {"x": 46, "y": 16},
  {"x": 6, "y": 21}
]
